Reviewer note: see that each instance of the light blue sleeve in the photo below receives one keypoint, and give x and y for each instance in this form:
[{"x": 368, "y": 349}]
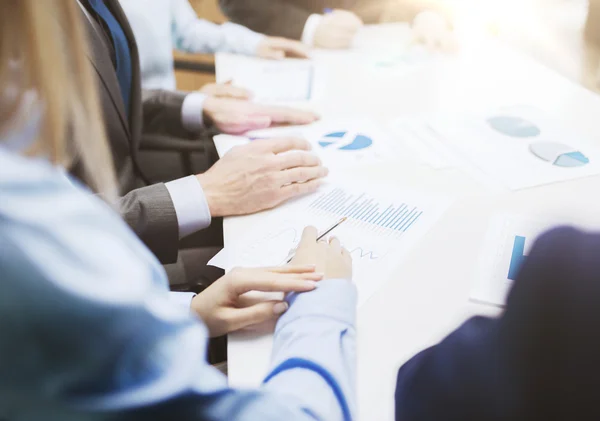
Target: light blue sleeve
[
  {"x": 314, "y": 353},
  {"x": 88, "y": 330},
  {"x": 195, "y": 35}
]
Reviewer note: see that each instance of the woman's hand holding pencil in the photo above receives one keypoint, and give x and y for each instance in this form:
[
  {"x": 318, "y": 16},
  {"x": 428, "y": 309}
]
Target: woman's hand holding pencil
[{"x": 330, "y": 258}]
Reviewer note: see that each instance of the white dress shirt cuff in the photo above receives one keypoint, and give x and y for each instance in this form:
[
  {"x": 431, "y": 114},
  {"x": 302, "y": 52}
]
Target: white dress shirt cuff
[
  {"x": 191, "y": 111},
  {"x": 310, "y": 27},
  {"x": 183, "y": 299},
  {"x": 191, "y": 208}
]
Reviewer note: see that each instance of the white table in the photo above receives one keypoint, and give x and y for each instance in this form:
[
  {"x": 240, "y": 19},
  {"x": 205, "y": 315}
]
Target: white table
[{"x": 428, "y": 296}]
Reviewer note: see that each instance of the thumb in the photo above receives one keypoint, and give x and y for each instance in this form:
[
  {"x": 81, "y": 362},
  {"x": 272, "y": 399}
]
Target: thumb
[{"x": 258, "y": 313}]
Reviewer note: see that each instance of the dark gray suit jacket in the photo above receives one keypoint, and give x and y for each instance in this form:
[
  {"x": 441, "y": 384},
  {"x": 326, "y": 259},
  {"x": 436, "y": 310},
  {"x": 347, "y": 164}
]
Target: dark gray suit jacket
[
  {"x": 286, "y": 18},
  {"x": 148, "y": 209}
]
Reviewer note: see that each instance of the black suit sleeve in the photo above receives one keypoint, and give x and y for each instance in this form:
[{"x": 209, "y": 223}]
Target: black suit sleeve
[
  {"x": 272, "y": 17},
  {"x": 161, "y": 112}
]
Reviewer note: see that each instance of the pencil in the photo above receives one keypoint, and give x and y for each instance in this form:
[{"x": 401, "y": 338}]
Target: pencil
[
  {"x": 292, "y": 252},
  {"x": 334, "y": 226}
]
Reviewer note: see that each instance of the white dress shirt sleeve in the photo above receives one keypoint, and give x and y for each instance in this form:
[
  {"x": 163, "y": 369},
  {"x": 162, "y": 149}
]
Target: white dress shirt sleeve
[
  {"x": 191, "y": 208},
  {"x": 195, "y": 35},
  {"x": 310, "y": 27},
  {"x": 191, "y": 111},
  {"x": 183, "y": 299}
]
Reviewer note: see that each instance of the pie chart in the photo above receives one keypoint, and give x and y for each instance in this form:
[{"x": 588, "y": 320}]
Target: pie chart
[
  {"x": 345, "y": 141},
  {"x": 559, "y": 154},
  {"x": 513, "y": 126}
]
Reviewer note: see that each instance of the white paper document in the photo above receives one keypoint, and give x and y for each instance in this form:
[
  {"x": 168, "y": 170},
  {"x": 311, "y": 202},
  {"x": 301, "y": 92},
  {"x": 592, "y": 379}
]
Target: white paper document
[
  {"x": 521, "y": 146},
  {"x": 422, "y": 142},
  {"x": 340, "y": 143},
  {"x": 387, "y": 36},
  {"x": 384, "y": 224},
  {"x": 506, "y": 247},
  {"x": 289, "y": 80}
]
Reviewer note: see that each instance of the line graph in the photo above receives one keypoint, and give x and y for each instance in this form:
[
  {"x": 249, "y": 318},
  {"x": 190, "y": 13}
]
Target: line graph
[{"x": 362, "y": 253}]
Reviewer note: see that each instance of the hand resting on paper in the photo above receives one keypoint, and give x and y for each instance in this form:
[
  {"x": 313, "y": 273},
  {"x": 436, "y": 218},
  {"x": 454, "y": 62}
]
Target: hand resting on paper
[
  {"x": 261, "y": 175},
  {"x": 236, "y": 116}
]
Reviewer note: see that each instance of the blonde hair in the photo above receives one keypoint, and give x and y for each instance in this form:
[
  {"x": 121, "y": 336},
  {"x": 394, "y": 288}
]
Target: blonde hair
[{"x": 43, "y": 50}]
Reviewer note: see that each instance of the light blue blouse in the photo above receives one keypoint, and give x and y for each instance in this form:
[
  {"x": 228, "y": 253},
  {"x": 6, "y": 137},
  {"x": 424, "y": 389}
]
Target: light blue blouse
[
  {"x": 163, "y": 25},
  {"x": 87, "y": 331}
]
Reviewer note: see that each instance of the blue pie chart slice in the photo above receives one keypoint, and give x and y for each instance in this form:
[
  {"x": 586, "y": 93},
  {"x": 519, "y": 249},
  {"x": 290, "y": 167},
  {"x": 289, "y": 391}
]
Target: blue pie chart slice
[
  {"x": 559, "y": 154},
  {"x": 343, "y": 142},
  {"x": 514, "y": 126},
  {"x": 331, "y": 138},
  {"x": 572, "y": 159}
]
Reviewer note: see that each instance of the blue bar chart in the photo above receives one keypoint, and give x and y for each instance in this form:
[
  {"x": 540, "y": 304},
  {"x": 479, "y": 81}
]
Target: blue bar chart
[
  {"x": 364, "y": 209},
  {"x": 517, "y": 257}
]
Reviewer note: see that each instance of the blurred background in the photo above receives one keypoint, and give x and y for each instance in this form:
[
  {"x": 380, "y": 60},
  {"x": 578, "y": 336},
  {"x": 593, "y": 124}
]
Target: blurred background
[{"x": 562, "y": 34}]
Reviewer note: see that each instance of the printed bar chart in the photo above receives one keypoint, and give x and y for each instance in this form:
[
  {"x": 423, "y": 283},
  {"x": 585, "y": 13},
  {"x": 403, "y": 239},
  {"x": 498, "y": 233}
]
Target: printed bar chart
[
  {"x": 517, "y": 257},
  {"x": 362, "y": 208}
]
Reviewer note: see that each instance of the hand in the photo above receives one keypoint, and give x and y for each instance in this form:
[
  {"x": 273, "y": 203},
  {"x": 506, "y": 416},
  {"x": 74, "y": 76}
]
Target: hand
[
  {"x": 337, "y": 29},
  {"x": 226, "y": 90},
  {"x": 277, "y": 48},
  {"x": 434, "y": 31},
  {"x": 234, "y": 116},
  {"x": 329, "y": 257},
  {"x": 261, "y": 175},
  {"x": 220, "y": 307}
]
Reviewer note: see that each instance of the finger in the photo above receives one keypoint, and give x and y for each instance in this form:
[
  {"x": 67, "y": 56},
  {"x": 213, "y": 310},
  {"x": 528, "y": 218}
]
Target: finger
[
  {"x": 273, "y": 54},
  {"x": 297, "y": 159},
  {"x": 450, "y": 43},
  {"x": 309, "y": 237},
  {"x": 236, "y": 92},
  {"x": 348, "y": 18},
  {"x": 292, "y": 116},
  {"x": 346, "y": 254},
  {"x": 334, "y": 245},
  {"x": 341, "y": 40},
  {"x": 241, "y": 124},
  {"x": 270, "y": 282},
  {"x": 346, "y": 26},
  {"x": 241, "y": 318},
  {"x": 282, "y": 144},
  {"x": 291, "y": 48},
  {"x": 292, "y": 269},
  {"x": 431, "y": 42},
  {"x": 286, "y": 115},
  {"x": 302, "y": 175},
  {"x": 299, "y": 189}
]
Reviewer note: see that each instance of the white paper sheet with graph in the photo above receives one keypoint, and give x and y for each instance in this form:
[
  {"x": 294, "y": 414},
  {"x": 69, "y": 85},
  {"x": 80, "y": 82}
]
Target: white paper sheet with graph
[{"x": 384, "y": 223}]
